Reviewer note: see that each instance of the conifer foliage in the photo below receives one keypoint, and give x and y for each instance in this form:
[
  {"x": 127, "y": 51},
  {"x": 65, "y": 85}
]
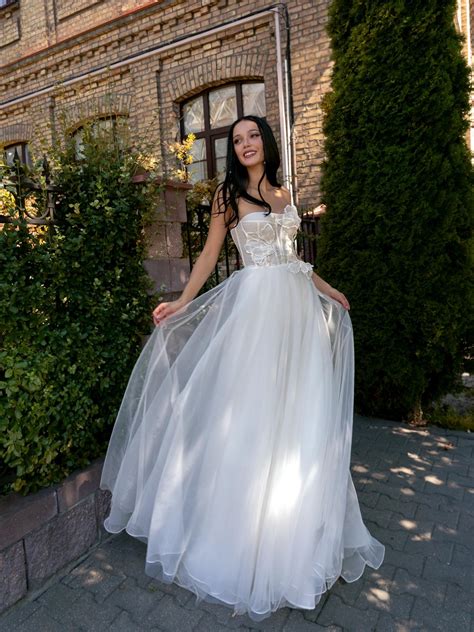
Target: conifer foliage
[{"x": 397, "y": 181}]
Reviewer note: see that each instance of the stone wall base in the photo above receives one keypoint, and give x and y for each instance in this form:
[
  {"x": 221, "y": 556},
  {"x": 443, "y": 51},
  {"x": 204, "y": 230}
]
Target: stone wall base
[{"x": 43, "y": 532}]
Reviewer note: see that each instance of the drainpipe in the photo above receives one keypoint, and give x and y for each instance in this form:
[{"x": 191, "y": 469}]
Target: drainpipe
[{"x": 282, "y": 105}]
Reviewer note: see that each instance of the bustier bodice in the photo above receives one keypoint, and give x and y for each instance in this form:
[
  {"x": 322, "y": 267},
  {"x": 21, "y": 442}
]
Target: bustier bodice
[{"x": 269, "y": 240}]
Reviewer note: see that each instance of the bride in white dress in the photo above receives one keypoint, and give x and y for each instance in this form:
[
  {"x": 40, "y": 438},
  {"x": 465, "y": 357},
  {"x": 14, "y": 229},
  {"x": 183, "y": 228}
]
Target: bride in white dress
[{"x": 230, "y": 455}]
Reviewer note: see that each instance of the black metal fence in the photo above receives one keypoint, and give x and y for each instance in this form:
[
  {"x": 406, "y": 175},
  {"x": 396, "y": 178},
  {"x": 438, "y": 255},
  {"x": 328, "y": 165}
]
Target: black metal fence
[
  {"x": 197, "y": 227},
  {"x": 31, "y": 199}
]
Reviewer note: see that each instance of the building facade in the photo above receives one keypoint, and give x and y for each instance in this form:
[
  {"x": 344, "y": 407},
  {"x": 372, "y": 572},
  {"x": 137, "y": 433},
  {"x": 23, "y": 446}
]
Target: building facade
[{"x": 171, "y": 67}]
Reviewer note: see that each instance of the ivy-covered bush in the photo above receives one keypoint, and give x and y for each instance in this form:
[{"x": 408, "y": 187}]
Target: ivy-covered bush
[
  {"x": 74, "y": 304},
  {"x": 398, "y": 185}
]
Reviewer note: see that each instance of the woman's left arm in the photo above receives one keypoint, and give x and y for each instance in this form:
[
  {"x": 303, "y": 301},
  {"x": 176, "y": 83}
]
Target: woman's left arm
[{"x": 327, "y": 289}]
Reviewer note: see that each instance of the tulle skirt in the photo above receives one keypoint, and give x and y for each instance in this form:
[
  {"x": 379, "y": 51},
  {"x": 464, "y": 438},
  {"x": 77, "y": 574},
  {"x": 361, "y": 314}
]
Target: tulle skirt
[{"x": 230, "y": 455}]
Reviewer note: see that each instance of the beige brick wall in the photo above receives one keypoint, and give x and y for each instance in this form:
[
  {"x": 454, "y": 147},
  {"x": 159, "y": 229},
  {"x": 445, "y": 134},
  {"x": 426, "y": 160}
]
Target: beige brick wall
[{"x": 61, "y": 39}]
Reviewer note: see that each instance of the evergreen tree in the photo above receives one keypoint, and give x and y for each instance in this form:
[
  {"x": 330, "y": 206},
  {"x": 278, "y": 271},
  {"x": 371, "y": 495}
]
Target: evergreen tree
[{"x": 397, "y": 181}]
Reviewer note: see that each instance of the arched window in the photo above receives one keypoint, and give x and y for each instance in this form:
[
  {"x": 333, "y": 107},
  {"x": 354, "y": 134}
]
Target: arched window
[
  {"x": 114, "y": 124},
  {"x": 209, "y": 117},
  {"x": 18, "y": 149}
]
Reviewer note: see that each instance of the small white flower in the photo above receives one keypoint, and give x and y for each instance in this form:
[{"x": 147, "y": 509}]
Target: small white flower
[{"x": 301, "y": 266}]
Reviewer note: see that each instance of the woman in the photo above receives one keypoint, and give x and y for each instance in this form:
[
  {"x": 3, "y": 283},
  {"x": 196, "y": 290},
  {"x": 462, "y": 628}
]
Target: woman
[{"x": 230, "y": 455}]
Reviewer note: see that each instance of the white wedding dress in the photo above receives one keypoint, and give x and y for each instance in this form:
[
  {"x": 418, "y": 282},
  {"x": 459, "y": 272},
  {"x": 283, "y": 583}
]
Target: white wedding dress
[{"x": 230, "y": 455}]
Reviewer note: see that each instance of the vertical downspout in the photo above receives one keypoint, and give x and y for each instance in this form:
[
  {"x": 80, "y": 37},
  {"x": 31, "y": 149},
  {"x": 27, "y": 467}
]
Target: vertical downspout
[
  {"x": 282, "y": 105},
  {"x": 290, "y": 112}
]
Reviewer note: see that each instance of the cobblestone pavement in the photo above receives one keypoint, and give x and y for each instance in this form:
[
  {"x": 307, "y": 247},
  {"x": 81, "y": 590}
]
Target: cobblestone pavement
[{"x": 415, "y": 488}]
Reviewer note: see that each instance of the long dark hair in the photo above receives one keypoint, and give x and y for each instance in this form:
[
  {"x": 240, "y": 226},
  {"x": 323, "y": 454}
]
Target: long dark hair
[{"x": 236, "y": 177}]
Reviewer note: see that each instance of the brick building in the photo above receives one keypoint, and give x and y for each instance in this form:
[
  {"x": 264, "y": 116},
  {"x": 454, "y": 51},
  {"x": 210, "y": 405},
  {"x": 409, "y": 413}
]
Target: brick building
[{"x": 170, "y": 67}]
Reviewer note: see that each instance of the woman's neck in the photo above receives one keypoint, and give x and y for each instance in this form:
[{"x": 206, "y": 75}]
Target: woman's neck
[{"x": 254, "y": 177}]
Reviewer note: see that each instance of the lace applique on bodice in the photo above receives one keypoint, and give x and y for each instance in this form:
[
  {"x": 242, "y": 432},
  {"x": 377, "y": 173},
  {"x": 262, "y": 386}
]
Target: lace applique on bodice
[{"x": 269, "y": 240}]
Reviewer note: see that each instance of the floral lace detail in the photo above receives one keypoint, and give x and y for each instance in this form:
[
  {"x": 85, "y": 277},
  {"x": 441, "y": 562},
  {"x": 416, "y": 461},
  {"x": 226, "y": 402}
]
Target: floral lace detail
[
  {"x": 258, "y": 251},
  {"x": 301, "y": 266}
]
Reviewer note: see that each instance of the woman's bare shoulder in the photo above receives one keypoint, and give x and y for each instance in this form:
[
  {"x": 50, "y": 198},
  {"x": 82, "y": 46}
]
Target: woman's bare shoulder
[{"x": 285, "y": 194}]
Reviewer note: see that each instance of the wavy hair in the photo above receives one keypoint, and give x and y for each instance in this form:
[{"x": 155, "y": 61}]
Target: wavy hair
[{"x": 236, "y": 178}]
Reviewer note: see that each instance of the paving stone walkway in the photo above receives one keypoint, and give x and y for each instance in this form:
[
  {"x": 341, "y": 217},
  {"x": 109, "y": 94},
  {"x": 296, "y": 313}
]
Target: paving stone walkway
[{"x": 416, "y": 490}]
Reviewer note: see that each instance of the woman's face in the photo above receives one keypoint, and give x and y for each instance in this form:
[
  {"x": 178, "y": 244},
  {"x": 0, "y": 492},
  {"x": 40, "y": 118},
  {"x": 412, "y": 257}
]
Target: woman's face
[{"x": 248, "y": 143}]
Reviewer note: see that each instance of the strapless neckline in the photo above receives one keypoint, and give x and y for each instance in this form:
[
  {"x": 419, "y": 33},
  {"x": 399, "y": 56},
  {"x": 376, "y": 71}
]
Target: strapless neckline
[{"x": 265, "y": 213}]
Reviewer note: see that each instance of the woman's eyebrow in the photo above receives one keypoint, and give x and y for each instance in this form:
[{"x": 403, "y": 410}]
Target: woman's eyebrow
[{"x": 240, "y": 135}]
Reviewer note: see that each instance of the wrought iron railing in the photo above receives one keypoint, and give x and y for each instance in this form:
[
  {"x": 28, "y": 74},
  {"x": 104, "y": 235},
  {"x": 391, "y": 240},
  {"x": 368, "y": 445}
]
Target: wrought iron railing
[
  {"x": 197, "y": 227},
  {"x": 33, "y": 199}
]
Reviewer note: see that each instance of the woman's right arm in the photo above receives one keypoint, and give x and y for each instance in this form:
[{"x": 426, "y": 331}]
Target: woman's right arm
[{"x": 203, "y": 267}]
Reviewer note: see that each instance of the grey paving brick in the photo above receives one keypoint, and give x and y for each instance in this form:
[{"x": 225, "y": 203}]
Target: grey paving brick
[
  {"x": 401, "y": 507},
  {"x": 392, "y": 490},
  {"x": 468, "y": 501},
  {"x": 398, "y": 605},
  {"x": 457, "y": 575},
  {"x": 396, "y": 539},
  {"x": 420, "y": 545},
  {"x": 17, "y": 614},
  {"x": 124, "y": 623},
  {"x": 85, "y": 612},
  {"x": 409, "y": 561},
  {"x": 387, "y": 623},
  {"x": 400, "y": 479},
  {"x": 407, "y": 583},
  {"x": 438, "y": 619},
  {"x": 98, "y": 582},
  {"x": 442, "y": 533},
  {"x": 58, "y": 597},
  {"x": 349, "y": 618},
  {"x": 466, "y": 522},
  {"x": 368, "y": 499},
  {"x": 42, "y": 621},
  {"x": 376, "y": 516},
  {"x": 180, "y": 595},
  {"x": 463, "y": 555},
  {"x": 449, "y": 488},
  {"x": 170, "y": 616},
  {"x": 458, "y": 599},
  {"x": 136, "y": 601},
  {"x": 297, "y": 623},
  {"x": 348, "y": 592},
  {"x": 208, "y": 624},
  {"x": 453, "y": 466},
  {"x": 449, "y": 518}
]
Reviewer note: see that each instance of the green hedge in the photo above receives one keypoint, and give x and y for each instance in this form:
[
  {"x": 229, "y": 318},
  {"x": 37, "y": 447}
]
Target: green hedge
[
  {"x": 74, "y": 303},
  {"x": 398, "y": 185}
]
